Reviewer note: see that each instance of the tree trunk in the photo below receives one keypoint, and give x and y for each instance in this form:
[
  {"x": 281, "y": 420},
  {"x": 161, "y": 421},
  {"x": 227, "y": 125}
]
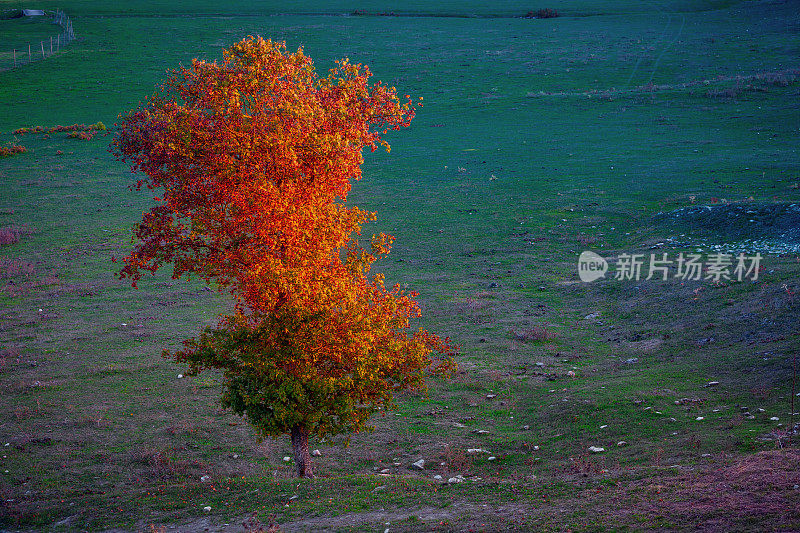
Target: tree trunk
[{"x": 301, "y": 455}]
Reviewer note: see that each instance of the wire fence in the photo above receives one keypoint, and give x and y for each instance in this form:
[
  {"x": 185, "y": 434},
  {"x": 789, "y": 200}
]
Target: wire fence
[{"x": 42, "y": 49}]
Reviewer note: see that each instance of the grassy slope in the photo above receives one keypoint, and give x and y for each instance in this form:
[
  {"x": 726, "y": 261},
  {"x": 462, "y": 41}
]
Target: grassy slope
[
  {"x": 442, "y": 8},
  {"x": 582, "y": 150}
]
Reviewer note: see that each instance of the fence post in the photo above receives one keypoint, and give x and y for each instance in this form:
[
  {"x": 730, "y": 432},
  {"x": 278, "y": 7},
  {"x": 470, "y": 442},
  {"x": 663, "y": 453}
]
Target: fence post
[
  {"x": 51, "y": 45},
  {"x": 15, "y": 58},
  {"x": 58, "y": 43},
  {"x": 29, "y": 53},
  {"x": 42, "y": 43}
]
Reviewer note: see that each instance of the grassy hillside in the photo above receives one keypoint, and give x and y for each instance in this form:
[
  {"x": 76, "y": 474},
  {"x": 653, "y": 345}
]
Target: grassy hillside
[
  {"x": 540, "y": 138},
  {"x": 472, "y": 8}
]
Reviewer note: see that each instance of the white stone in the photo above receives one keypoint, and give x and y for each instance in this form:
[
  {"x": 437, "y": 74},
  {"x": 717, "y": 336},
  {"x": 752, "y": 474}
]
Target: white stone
[
  {"x": 316, "y": 453},
  {"x": 774, "y": 418},
  {"x": 205, "y": 478},
  {"x": 622, "y": 443},
  {"x": 455, "y": 480},
  {"x": 419, "y": 465},
  {"x": 286, "y": 458},
  {"x": 492, "y": 458},
  {"x": 700, "y": 418},
  {"x": 490, "y": 396},
  {"x": 596, "y": 449},
  {"x": 437, "y": 477},
  {"x": 476, "y": 450},
  {"x": 180, "y": 376},
  {"x": 207, "y": 508}
]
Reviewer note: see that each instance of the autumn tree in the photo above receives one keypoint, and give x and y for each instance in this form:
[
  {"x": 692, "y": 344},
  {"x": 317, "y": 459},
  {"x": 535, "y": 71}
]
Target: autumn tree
[{"x": 254, "y": 158}]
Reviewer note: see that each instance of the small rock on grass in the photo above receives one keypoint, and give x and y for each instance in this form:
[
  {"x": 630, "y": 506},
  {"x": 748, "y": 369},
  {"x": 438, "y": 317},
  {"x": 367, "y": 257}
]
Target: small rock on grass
[
  {"x": 419, "y": 465},
  {"x": 622, "y": 443},
  {"x": 286, "y": 458},
  {"x": 207, "y": 508},
  {"x": 204, "y": 479},
  {"x": 596, "y": 449},
  {"x": 316, "y": 453}
]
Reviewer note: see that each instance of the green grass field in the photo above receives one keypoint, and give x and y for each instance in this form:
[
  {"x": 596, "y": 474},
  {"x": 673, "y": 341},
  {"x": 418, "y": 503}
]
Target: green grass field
[{"x": 540, "y": 138}]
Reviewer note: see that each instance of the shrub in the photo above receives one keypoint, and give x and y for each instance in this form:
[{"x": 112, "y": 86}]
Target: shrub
[
  {"x": 12, "y": 234},
  {"x": 57, "y": 129},
  {"x": 6, "y": 151},
  {"x": 83, "y": 135},
  {"x": 544, "y": 13}
]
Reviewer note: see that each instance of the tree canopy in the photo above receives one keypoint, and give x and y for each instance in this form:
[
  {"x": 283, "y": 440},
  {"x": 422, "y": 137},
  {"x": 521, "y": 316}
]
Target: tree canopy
[{"x": 255, "y": 157}]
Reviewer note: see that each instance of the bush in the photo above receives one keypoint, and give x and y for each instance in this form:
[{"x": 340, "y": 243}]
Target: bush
[
  {"x": 12, "y": 234},
  {"x": 83, "y": 135},
  {"x": 10, "y": 150},
  {"x": 57, "y": 129},
  {"x": 544, "y": 13}
]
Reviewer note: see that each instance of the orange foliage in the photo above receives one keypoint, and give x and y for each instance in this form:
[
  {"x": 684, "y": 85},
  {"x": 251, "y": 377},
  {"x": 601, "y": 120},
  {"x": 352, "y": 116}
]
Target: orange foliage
[
  {"x": 255, "y": 156},
  {"x": 6, "y": 151}
]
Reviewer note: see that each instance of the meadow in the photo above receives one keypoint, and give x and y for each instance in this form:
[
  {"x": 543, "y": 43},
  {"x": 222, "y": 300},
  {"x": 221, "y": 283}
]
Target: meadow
[{"x": 601, "y": 129}]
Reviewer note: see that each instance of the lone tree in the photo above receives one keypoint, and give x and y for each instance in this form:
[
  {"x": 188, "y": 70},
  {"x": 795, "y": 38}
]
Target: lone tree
[{"x": 255, "y": 157}]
